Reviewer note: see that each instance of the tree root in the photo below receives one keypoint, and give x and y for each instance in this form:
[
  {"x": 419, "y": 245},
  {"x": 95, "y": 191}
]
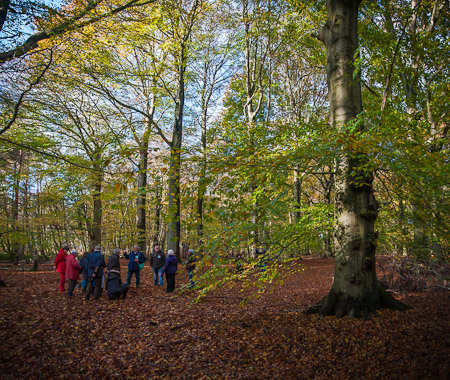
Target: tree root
[{"x": 341, "y": 305}]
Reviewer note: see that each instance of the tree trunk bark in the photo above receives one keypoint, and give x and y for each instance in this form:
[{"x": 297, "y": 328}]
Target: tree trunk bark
[
  {"x": 297, "y": 203},
  {"x": 355, "y": 291},
  {"x": 18, "y": 249},
  {"x": 96, "y": 238},
  {"x": 202, "y": 178},
  {"x": 157, "y": 223},
  {"x": 142, "y": 197},
  {"x": 174, "y": 223}
]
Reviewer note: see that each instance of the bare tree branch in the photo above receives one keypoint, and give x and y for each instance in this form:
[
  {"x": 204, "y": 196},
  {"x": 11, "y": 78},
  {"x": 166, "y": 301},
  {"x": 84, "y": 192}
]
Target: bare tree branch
[{"x": 22, "y": 95}]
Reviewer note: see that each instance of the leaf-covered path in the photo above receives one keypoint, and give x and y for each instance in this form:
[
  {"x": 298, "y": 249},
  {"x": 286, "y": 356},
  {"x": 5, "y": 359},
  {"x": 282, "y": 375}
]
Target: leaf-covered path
[{"x": 149, "y": 335}]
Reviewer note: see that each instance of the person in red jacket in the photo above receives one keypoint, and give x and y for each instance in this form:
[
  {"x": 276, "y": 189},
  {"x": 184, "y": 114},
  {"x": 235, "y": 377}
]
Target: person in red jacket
[
  {"x": 72, "y": 271},
  {"x": 60, "y": 265}
]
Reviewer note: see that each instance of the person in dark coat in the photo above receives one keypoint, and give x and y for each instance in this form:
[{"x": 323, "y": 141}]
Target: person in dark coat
[
  {"x": 136, "y": 257},
  {"x": 95, "y": 265},
  {"x": 72, "y": 271},
  {"x": 60, "y": 265},
  {"x": 170, "y": 269},
  {"x": 157, "y": 260},
  {"x": 114, "y": 286}
]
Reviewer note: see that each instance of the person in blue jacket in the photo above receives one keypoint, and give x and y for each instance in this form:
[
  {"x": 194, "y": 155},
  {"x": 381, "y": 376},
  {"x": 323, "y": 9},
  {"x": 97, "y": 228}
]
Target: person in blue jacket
[
  {"x": 95, "y": 263},
  {"x": 136, "y": 257},
  {"x": 170, "y": 269}
]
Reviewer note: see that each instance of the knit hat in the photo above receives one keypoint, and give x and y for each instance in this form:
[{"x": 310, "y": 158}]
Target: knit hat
[
  {"x": 74, "y": 252},
  {"x": 191, "y": 251},
  {"x": 170, "y": 252}
]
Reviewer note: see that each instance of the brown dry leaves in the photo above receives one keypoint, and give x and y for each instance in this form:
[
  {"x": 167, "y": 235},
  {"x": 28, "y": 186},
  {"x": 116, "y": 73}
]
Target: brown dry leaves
[{"x": 45, "y": 334}]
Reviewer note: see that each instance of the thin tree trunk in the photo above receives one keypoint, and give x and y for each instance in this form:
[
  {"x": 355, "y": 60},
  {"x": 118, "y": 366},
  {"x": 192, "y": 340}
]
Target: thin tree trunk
[
  {"x": 142, "y": 196},
  {"x": 18, "y": 249},
  {"x": 297, "y": 201},
  {"x": 174, "y": 223},
  {"x": 157, "y": 223},
  {"x": 96, "y": 238},
  {"x": 202, "y": 178}
]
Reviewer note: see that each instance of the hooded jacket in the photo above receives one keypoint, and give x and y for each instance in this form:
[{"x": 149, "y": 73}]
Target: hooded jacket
[{"x": 60, "y": 261}]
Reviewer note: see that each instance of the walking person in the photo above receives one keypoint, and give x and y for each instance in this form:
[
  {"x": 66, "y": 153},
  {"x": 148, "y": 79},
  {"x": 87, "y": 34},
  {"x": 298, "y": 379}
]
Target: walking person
[
  {"x": 95, "y": 265},
  {"x": 60, "y": 265},
  {"x": 190, "y": 266},
  {"x": 157, "y": 260},
  {"x": 170, "y": 269},
  {"x": 72, "y": 271},
  {"x": 114, "y": 286},
  {"x": 136, "y": 257}
]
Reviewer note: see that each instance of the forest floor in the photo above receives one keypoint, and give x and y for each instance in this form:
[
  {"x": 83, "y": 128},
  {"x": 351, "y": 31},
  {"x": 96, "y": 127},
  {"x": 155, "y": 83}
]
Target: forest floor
[{"x": 150, "y": 335}]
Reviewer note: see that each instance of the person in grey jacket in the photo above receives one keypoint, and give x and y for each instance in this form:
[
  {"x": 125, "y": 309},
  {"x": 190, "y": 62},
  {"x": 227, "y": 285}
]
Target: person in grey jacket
[{"x": 157, "y": 260}]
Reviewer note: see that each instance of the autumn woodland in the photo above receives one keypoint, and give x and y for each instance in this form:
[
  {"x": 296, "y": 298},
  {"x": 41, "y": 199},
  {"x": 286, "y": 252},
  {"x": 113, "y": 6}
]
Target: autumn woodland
[{"x": 299, "y": 148}]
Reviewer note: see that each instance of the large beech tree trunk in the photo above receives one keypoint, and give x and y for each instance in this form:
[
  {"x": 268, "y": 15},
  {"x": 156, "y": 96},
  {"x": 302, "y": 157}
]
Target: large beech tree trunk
[{"x": 355, "y": 291}]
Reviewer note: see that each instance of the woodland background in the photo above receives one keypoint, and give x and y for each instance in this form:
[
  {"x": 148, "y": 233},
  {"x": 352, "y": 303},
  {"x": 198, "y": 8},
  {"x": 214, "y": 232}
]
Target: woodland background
[{"x": 206, "y": 123}]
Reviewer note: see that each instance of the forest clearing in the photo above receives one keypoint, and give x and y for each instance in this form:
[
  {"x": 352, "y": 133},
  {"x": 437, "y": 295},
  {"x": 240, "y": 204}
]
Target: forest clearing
[{"x": 151, "y": 335}]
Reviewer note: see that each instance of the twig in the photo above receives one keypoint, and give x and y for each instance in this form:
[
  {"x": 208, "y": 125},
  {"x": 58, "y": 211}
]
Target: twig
[{"x": 194, "y": 338}]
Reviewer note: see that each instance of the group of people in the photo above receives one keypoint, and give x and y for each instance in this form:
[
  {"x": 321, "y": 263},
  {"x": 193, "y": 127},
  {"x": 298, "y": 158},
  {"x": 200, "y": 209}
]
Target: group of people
[{"x": 92, "y": 269}]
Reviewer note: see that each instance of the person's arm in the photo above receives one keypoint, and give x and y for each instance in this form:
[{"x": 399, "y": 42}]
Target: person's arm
[
  {"x": 141, "y": 258},
  {"x": 57, "y": 259},
  {"x": 74, "y": 263},
  {"x": 164, "y": 268},
  {"x": 151, "y": 259}
]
